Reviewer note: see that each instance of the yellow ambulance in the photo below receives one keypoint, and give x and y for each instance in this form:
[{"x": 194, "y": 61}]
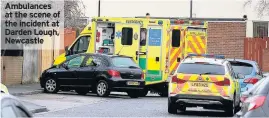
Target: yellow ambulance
[{"x": 157, "y": 45}]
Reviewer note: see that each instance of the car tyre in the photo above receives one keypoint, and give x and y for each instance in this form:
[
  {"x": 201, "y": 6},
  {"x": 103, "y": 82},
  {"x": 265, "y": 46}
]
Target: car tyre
[
  {"x": 51, "y": 86},
  {"x": 230, "y": 109},
  {"x": 133, "y": 94},
  {"x": 82, "y": 91},
  {"x": 172, "y": 109},
  {"x": 102, "y": 89},
  {"x": 182, "y": 108}
]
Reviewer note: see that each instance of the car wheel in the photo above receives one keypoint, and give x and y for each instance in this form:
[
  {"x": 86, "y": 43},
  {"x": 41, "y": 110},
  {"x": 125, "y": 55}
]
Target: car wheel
[
  {"x": 82, "y": 91},
  {"x": 102, "y": 89},
  {"x": 51, "y": 86},
  {"x": 133, "y": 94},
  {"x": 172, "y": 109},
  {"x": 230, "y": 108}
]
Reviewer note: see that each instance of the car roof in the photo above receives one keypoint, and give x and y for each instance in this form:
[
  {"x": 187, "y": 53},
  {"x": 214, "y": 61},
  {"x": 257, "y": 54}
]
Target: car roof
[
  {"x": 207, "y": 60},
  {"x": 100, "y": 54},
  {"x": 243, "y": 60}
]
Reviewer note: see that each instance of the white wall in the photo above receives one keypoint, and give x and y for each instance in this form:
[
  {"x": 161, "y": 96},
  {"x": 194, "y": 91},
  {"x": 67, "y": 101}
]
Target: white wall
[{"x": 175, "y": 8}]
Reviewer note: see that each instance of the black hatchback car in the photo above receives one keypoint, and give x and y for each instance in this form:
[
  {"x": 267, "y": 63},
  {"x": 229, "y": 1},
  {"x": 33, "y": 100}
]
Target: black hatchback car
[{"x": 99, "y": 73}]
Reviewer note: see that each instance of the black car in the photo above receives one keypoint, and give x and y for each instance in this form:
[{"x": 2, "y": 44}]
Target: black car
[
  {"x": 99, "y": 73},
  {"x": 257, "y": 103}
]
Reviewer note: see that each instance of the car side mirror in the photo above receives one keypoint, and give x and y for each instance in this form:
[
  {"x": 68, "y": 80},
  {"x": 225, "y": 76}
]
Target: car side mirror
[
  {"x": 65, "y": 66},
  {"x": 67, "y": 52},
  {"x": 240, "y": 76}
]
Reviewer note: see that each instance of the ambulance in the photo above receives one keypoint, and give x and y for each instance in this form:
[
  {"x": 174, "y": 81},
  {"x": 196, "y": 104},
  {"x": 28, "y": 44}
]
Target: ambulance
[{"x": 156, "y": 45}]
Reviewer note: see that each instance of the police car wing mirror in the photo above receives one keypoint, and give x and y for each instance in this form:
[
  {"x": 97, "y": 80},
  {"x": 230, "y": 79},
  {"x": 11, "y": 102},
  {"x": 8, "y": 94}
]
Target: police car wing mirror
[{"x": 240, "y": 76}]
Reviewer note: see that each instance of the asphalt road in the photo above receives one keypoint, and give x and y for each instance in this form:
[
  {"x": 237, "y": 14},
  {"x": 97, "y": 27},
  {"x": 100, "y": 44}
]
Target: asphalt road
[{"x": 116, "y": 105}]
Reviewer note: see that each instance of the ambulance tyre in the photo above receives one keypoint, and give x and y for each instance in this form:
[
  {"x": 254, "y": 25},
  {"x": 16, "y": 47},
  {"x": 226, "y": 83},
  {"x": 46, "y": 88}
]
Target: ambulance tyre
[{"x": 172, "y": 109}]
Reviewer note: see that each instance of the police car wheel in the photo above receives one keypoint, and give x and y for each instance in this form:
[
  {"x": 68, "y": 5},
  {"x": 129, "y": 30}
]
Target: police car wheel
[{"x": 172, "y": 109}]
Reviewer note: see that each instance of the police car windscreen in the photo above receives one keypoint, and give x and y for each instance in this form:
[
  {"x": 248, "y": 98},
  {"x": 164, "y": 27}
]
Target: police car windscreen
[
  {"x": 195, "y": 68},
  {"x": 123, "y": 62}
]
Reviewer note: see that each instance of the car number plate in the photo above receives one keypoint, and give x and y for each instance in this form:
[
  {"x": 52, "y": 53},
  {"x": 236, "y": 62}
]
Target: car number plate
[
  {"x": 199, "y": 84},
  {"x": 133, "y": 83}
]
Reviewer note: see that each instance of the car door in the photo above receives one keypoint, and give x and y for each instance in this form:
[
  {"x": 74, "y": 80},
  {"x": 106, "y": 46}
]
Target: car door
[
  {"x": 90, "y": 69},
  {"x": 68, "y": 75}
]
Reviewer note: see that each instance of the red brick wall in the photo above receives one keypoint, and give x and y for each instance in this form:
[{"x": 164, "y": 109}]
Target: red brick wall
[
  {"x": 226, "y": 38},
  {"x": 69, "y": 37},
  {"x": 265, "y": 64}
]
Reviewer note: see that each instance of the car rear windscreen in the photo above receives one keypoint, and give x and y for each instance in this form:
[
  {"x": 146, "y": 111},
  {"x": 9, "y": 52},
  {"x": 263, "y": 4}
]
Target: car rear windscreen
[
  {"x": 243, "y": 68},
  {"x": 195, "y": 68},
  {"x": 123, "y": 62}
]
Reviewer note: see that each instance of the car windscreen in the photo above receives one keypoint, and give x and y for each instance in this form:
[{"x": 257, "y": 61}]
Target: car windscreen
[
  {"x": 197, "y": 68},
  {"x": 243, "y": 68},
  {"x": 123, "y": 62}
]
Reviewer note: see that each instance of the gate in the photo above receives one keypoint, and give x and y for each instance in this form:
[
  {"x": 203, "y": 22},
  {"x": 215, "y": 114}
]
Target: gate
[{"x": 255, "y": 49}]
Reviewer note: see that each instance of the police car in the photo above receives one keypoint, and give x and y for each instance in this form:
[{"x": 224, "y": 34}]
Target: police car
[{"x": 207, "y": 81}]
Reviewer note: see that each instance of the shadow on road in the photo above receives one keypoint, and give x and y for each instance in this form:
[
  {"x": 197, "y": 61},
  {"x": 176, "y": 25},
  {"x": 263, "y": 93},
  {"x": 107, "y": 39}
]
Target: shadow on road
[{"x": 202, "y": 114}]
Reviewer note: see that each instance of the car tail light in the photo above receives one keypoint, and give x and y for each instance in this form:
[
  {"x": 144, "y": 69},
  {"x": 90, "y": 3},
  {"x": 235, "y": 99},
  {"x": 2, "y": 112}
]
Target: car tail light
[
  {"x": 251, "y": 80},
  {"x": 114, "y": 73},
  {"x": 177, "y": 80},
  {"x": 225, "y": 82},
  {"x": 143, "y": 75},
  {"x": 243, "y": 98},
  {"x": 255, "y": 102}
]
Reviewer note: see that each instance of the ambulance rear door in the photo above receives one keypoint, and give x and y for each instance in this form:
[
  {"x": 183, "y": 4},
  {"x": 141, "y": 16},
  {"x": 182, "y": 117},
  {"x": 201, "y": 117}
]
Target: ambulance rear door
[
  {"x": 196, "y": 40},
  {"x": 154, "y": 54},
  {"x": 127, "y": 40}
]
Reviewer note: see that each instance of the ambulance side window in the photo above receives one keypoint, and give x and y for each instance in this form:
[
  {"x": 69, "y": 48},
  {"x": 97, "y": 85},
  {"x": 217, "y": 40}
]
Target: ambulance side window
[
  {"x": 127, "y": 36},
  {"x": 81, "y": 45},
  {"x": 175, "y": 38},
  {"x": 143, "y": 36}
]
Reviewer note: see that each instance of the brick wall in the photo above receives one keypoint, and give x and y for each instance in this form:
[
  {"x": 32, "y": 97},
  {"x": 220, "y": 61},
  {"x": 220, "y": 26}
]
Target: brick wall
[
  {"x": 11, "y": 72},
  {"x": 226, "y": 38},
  {"x": 265, "y": 63}
]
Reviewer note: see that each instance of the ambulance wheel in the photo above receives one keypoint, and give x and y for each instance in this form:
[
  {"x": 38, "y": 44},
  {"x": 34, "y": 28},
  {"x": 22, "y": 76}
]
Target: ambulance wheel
[{"x": 172, "y": 109}]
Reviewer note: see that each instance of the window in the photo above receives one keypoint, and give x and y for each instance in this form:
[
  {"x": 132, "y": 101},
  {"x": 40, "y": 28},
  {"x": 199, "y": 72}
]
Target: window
[
  {"x": 89, "y": 62},
  {"x": 127, "y": 36},
  {"x": 123, "y": 62},
  {"x": 175, "y": 38},
  {"x": 195, "y": 68},
  {"x": 7, "y": 112},
  {"x": 100, "y": 61},
  {"x": 81, "y": 45},
  {"x": 242, "y": 68},
  {"x": 75, "y": 62},
  {"x": 260, "y": 29},
  {"x": 143, "y": 36},
  {"x": 231, "y": 71}
]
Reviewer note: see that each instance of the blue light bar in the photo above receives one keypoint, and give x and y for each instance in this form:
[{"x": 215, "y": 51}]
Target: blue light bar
[{"x": 207, "y": 55}]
